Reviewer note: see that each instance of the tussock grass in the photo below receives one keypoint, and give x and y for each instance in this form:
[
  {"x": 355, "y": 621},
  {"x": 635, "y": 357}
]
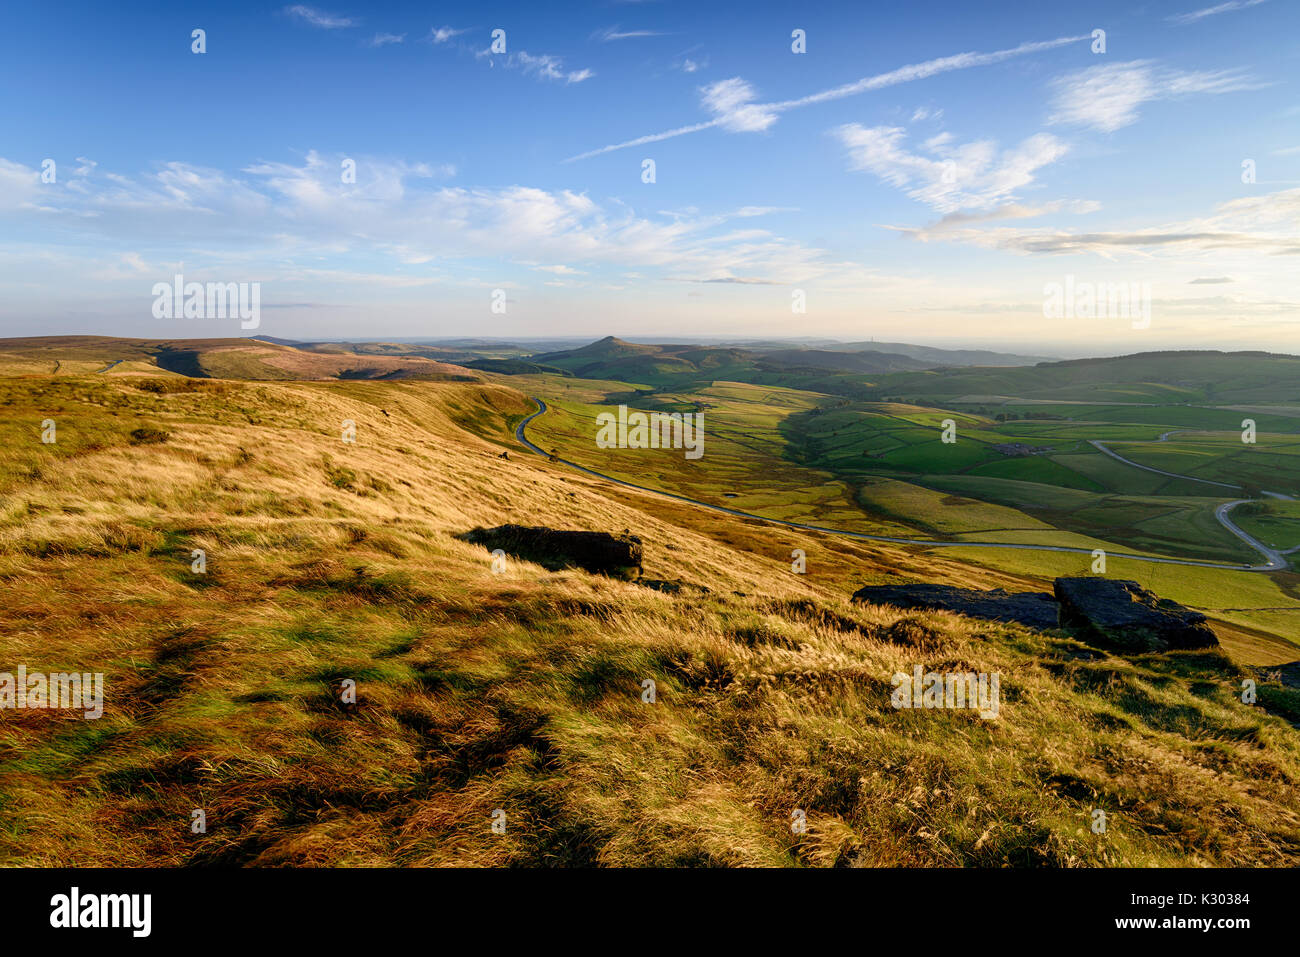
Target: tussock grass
[{"x": 522, "y": 691}]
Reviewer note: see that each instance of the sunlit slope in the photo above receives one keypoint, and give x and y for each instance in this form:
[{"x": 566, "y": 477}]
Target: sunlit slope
[
  {"x": 330, "y": 561},
  {"x": 244, "y": 358}
]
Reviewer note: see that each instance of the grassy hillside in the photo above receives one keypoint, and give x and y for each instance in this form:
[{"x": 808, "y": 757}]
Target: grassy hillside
[
  {"x": 209, "y": 358},
  {"x": 330, "y": 561},
  {"x": 1208, "y": 378},
  {"x": 680, "y": 365}
]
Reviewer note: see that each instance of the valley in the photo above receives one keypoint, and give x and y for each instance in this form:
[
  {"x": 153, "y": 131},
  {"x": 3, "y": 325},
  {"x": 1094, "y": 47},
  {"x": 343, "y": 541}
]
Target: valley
[{"x": 485, "y": 683}]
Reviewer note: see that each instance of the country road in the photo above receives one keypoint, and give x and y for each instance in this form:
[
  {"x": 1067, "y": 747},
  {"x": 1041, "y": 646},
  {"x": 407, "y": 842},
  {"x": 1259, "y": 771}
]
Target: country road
[
  {"x": 1101, "y": 447},
  {"x": 1275, "y": 560},
  {"x": 1221, "y": 513}
]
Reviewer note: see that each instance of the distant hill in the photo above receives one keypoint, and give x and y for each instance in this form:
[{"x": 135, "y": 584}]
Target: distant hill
[
  {"x": 514, "y": 367},
  {"x": 830, "y": 361},
  {"x": 614, "y": 358},
  {"x": 807, "y": 354},
  {"x": 946, "y": 357},
  {"x": 255, "y": 359},
  {"x": 1205, "y": 377}
]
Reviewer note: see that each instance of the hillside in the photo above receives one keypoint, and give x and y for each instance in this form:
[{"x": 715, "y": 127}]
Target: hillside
[
  {"x": 1151, "y": 377},
  {"x": 942, "y": 357},
  {"x": 208, "y": 358},
  {"x": 612, "y": 358},
  {"x": 921, "y": 375},
  {"x": 329, "y": 561}
]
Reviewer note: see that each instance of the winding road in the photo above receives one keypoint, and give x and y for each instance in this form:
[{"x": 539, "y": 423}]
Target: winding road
[{"x": 1275, "y": 560}]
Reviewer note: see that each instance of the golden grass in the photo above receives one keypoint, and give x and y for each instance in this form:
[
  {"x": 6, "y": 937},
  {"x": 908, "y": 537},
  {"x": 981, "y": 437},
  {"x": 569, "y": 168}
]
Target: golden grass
[{"x": 329, "y": 561}]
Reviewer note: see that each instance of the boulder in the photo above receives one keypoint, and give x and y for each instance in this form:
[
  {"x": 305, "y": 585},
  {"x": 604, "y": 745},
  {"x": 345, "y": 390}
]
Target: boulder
[
  {"x": 1124, "y": 615},
  {"x": 616, "y": 555},
  {"x": 1033, "y": 609}
]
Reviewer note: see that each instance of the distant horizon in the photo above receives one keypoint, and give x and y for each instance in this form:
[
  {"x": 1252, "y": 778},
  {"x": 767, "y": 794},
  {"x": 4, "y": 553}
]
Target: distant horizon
[{"x": 809, "y": 342}]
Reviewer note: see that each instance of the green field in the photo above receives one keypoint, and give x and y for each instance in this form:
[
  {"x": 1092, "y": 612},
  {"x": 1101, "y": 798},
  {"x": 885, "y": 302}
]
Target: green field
[
  {"x": 1271, "y": 463},
  {"x": 882, "y": 468}
]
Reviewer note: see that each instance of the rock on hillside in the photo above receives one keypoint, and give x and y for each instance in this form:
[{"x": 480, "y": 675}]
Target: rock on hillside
[
  {"x": 1123, "y": 614},
  {"x": 618, "y": 556},
  {"x": 1116, "y": 614},
  {"x": 1034, "y": 609}
]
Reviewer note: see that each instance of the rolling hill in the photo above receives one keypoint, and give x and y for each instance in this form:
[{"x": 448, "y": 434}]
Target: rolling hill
[
  {"x": 1152, "y": 377},
  {"x": 208, "y": 358},
  {"x": 612, "y": 358},
  {"x": 332, "y": 564}
]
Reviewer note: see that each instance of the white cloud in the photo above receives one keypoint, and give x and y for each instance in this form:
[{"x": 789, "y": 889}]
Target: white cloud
[
  {"x": 1108, "y": 97},
  {"x": 290, "y": 216},
  {"x": 610, "y": 34},
  {"x": 544, "y": 66},
  {"x": 758, "y": 113},
  {"x": 443, "y": 34},
  {"x": 972, "y": 176},
  {"x": 384, "y": 39},
  {"x": 317, "y": 18},
  {"x": 18, "y": 184},
  {"x": 731, "y": 102},
  {"x": 1253, "y": 225},
  {"x": 1228, "y": 7}
]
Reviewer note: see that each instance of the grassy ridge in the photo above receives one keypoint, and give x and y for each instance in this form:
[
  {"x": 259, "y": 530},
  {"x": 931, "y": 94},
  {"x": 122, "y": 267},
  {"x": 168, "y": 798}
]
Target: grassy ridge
[{"x": 330, "y": 561}]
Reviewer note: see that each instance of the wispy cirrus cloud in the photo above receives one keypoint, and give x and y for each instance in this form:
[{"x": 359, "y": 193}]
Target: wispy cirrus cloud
[
  {"x": 443, "y": 34},
  {"x": 1201, "y": 14},
  {"x": 610, "y": 34},
  {"x": 1108, "y": 97},
  {"x": 1262, "y": 224},
  {"x": 318, "y": 18},
  {"x": 747, "y": 115},
  {"x": 945, "y": 176},
  {"x": 543, "y": 66},
  {"x": 386, "y": 39},
  {"x": 965, "y": 217}
]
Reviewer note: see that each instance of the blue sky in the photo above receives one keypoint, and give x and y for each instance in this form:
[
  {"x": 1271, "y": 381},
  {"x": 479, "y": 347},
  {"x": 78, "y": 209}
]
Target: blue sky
[{"x": 922, "y": 172}]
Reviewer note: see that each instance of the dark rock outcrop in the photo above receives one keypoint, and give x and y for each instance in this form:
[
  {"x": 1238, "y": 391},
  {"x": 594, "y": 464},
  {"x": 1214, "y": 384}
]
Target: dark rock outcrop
[
  {"x": 1288, "y": 674},
  {"x": 1119, "y": 615},
  {"x": 1034, "y": 609},
  {"x": 674, "y": 586},
  {"x": 618, "y": 556},
  {"x": 1124, "y": 615}
]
